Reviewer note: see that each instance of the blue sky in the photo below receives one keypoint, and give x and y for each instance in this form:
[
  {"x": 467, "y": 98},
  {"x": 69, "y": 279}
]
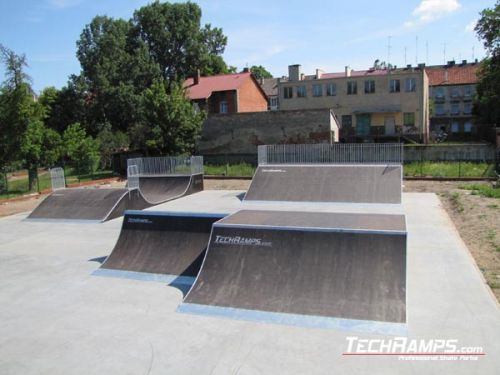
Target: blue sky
[{"x": 316, "y": 34}]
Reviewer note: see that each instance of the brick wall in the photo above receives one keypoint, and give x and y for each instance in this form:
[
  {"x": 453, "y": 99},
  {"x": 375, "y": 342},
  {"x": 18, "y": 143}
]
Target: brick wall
[
  {"x": 241, "y": 133},
  {"x": 250, "y": 98}
]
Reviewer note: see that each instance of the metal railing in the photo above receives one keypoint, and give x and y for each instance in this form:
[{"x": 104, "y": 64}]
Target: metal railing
[
  {"x": 167, "y": 165},
  {"x": 132, "y": 177},
  {"x": 337, "y": 153},
  {"x": 57, "y": 178}
]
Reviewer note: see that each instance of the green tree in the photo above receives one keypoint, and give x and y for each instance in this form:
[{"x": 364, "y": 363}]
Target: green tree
[
  {"x": 260, "y": 72},
  {"x": 177, "y": 42},
  {"x": 111, "y": 142},
  {"x": 170, "y": 123},
  {"x": 487, "y": 102},
  {"x": 81, "y": 149}
]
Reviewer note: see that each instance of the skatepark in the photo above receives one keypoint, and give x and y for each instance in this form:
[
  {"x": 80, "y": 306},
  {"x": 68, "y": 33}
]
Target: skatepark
[{"x": 268, "y": 281}]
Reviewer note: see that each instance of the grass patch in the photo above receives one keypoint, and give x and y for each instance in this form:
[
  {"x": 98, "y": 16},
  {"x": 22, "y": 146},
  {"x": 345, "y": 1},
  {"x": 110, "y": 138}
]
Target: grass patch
[
  {"x": 483, "y": 190},
  {"x": 493, "y": 206},
  {"x": 19, "y": 186},
  {"x": 234, "y": 170},
  {"x": 449, "y": 169}
]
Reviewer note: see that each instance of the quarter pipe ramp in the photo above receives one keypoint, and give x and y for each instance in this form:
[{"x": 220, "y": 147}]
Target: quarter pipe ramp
[
  {"x": 327, "y": 183},
  {"x": 304, "y": 268},
  {"x": 157, "y": 245}
]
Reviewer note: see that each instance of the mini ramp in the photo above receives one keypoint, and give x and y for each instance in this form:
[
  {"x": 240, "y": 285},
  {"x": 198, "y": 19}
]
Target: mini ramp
[
  {"x": 88, "y": 204},
  {"x": 307, "y": 269},
  {"x": 348, "y": 183},
  {"x": 160, "y": 246},
  {"x": 160, "y": 189}
]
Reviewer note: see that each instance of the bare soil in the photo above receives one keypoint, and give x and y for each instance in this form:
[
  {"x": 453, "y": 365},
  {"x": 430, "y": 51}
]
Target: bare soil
[{"x": 476, "y": 218}]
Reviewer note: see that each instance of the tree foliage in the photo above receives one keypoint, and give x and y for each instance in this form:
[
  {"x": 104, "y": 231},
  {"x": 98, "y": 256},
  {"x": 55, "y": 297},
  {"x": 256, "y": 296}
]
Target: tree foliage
[
  {"x": 487, "y": 102},
  {"x": 260, "y": 72},
  {"x": 111, "y": 142},
  {"x": 81, "y": 149}
]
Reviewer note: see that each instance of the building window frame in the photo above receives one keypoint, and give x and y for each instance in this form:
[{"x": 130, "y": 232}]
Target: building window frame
[
  {"x": 394, "y": 85},
  {"x": 370, "y": 86},
  {"x": 409, "y": 118},
  {"x": 352, "y": 87},
  {"x": 331, "y": 89},
  {"x": 223, "y": 106},
  {"x": 410, "y": 85},
  {"x": 317, "y": 90},
  {"x": 288, "y": 92},
  {"x": 468, "y": 127},
  {"x": 301, "y": 91},
  {"x": 455, "y": 127},
  {"x": 455, "y": 108},
  {"x": 346, "y": 121}
]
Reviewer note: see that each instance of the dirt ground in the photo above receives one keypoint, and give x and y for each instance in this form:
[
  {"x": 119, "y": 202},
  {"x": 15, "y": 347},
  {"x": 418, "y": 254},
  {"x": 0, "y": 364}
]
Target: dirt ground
[{"x": 476, "y": 218}]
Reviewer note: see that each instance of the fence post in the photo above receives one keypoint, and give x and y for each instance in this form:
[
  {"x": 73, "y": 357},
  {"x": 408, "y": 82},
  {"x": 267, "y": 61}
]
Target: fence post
[
  {"x": 459, "y": 167},
  {"x": 421, "y": 162}
]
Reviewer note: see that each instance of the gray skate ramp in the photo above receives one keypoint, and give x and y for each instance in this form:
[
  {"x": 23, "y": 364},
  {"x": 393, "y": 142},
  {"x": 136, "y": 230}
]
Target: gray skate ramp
[
  {"x": 159, "y": 189},
  {"x": 161, "y": 246},
  {"x": 88, "y": 204},
  {"x": 327, "y": 183},
  {"x": 304, "y": 268}
]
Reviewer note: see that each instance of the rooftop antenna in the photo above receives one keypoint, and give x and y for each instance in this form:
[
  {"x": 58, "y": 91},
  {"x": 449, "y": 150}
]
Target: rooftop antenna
[
  {"x": 473, "y": 53},
  {"x": 405, "y": 55},
  {"x": 427, "y": 52},
  {"x": 444, "y": 53},
  {"x": 416, "y": 50},
  {"x": 388, "y": 50}
]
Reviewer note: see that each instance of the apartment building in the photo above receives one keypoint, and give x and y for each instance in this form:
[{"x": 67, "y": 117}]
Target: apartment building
[
  {"x": 374, "y": 104},
  {"x": 452, "y": 88}
]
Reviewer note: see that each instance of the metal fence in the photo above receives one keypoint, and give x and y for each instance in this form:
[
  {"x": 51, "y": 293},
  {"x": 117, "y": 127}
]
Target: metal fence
[
  {"x": 338, "y": 153},
  {"x": 132, "y": 177},
  {"x": 167, "y": 165},
  {"x": 57, "y": 178}
]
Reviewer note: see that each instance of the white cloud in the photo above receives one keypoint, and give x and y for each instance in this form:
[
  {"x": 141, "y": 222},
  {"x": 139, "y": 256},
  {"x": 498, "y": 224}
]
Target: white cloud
[
  {"x": 61, "y": 4},
  {"x": 431, "y": 10},
  {"x": 470, "y": 26}
]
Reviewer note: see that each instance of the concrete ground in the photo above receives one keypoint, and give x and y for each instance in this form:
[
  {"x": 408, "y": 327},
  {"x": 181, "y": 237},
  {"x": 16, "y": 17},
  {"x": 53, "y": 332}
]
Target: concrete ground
[{"x": 55, "y": 318}]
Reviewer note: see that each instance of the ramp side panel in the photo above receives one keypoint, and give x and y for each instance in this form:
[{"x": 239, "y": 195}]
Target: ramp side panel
[
  {"x": 327, "y": 183},
  {"x": 78, "y": 204},
  {"x": 167, "y": 245},
  {"x": 342, "y": 275},
  {"x": 159, "y": 189}
]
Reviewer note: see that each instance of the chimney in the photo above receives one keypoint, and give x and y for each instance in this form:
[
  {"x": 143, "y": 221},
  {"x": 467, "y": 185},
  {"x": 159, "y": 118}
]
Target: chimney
[
  {"x": 464, "y": 62},
  {"x": 451, "y": 63},
  {"x": 421, "y": 65},
  {"x": 197, "y": 77},
  {"x": 319, "y": 73},
  {"x": 246, "y": 70},
  {"x": 348, "y": 71},
  {"x": 408, "y": 66},
  {"x": 294, "y": 72}
]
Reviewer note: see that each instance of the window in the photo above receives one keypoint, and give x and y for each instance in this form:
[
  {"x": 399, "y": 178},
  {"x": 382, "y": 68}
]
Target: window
[
  {"x": 455, "y": 92},
  {"x": 346, "y": 121},
  {"x": 331, "y": 89},
  {"x": 369, "y": 87},
  {"x": 455, "y": 127},
  {"x": 455, "y": 108},
  {"x": 409, "y": 119},
  {"x": 273, "y": 102},
  {"x": 439, "y": 108},
  {"x": 223, "y": 107},
  {"x": 410, "y": 85},
  {"x": 394, "y": 85},
  {"x": 352, "y": 87},
  {"x": 468, "y": 91},
  {"x": 439, "y": 93},
  {"x": 317, "y": 90},
  {"x": 468, "y": 108},
  {"x": 301, "y": 91},
  {"x": 468, "y": 127},
  {"x": 287, "y": 92}
]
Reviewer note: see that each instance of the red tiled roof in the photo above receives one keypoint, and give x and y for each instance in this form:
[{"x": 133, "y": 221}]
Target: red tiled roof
[
  {"x": 453, "y": 75},
  {"x": 207, "y": 85}
]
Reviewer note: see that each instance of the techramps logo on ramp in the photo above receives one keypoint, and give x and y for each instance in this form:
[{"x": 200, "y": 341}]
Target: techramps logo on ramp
[
  {"x": 136, "y": 220},
  {"x": 242, "y": 241},
  {"x": 274, "y": 170}
]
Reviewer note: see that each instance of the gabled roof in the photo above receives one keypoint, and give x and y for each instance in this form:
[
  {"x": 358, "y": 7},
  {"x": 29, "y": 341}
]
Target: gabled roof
[
  {"x": 269, "y": 85},
  {"x": 452, "y": 75},
  {"x": 208, "y": 85}
]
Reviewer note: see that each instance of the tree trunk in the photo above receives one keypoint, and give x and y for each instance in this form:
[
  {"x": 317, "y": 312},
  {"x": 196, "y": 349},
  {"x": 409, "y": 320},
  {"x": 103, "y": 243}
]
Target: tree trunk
[{"x": 32, "y": 178}]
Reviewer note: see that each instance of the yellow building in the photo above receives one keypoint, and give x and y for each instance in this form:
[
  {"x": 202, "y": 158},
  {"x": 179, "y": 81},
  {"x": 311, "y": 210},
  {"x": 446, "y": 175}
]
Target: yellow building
[{"x": 374, "y": 104}]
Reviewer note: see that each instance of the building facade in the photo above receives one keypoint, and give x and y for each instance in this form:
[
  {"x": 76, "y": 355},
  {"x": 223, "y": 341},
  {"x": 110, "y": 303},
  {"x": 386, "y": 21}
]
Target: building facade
[
  {"x": 375, "y": 104},
  {"x": 227, "y": 93},
  {"x": 452, "y": 88}
]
